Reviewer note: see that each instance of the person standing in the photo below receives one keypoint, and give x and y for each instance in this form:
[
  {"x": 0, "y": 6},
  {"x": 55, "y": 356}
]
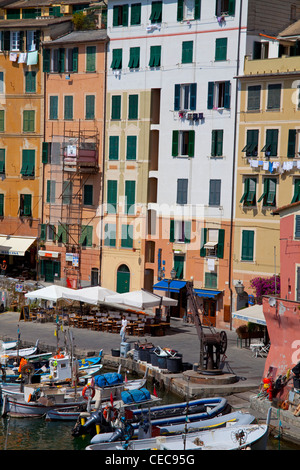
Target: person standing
[{"x": 123, "y": 329}]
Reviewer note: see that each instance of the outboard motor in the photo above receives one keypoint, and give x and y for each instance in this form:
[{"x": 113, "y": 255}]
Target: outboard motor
[{"x": 89, "y": 427}]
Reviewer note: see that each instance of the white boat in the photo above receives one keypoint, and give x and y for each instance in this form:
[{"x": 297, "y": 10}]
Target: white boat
[
  {"x": 252, "y": 436},
  {"x": 24, "y": 352},
  {"x": 6, "y": 345}
]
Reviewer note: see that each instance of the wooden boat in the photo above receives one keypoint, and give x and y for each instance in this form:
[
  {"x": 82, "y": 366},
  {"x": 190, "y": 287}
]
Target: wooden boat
[
  {"x": 24, "y": 352},
  {"x": 252, "y": 436},
  {"x": 6, "y": 345},
  {"x": 178, "y": 425}
]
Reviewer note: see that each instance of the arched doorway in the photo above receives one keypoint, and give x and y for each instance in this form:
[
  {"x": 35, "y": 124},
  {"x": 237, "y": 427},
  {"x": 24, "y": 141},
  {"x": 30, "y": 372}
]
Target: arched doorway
[{"x": 123, "y": 279}]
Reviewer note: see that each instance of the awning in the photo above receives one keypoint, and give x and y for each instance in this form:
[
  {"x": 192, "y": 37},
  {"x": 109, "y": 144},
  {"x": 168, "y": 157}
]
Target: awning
[
  {"x": 16, "y": 246},
  {"x": 208, "y": 294},
  {"x": 252, "y": 314},
  {"x": 210, "y": 244},
  {"x": 174, "y": 286}
]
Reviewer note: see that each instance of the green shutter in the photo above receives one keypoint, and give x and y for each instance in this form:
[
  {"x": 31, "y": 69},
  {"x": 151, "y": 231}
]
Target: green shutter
[
  {"x": 178, "y": 266},
  {"x": 2, "y": 161},
  {"x": 221, "y": 49},
  {"x": 155, "y": 56},
  {"x": 177, "y": 89},
  {"x": 116, "y": 107},
  {"x": 130, "y": 197},
  {"x": 231, "y": 7},
  {"x": 113, "y": 147},
  {"x": 265, "y": 191},
  {"x": 5, "y": 40},
  {"x": 210, "y": 96},
  {"x": 197, "y": 11},
  {"x": 187, "y": 52},
  {"x": 135, "y": 14},
  {"x": 172, "y": 231},
  {"x": 191, "y": 146},
  {"x": 296, "y": 196},
  {"x": 127, "y": 236},
  {"x": 134, "y": 58},
  {"x": 61, "y": 60},
  {"x": 112, "y": 188},
  {"x": 203, "y": 241},
  {"x": 227, "y": 95},
  {"x": 53, "y": 107},
  {"x": 75, "y": 60},
  {"x": 90, "y": 107},
  {"x": 2, "y": 119},
  {"x": 26, "y": 205},
  {"x": 68, "y": 108},
  {"x": 193, "y": 96},
  {"x": 28, "y": 162},
  {"x": 116, "y": 63},
  {"x": 1, "y": 205},
  {"x": 187, "y": 231},
  {"x": 291, "y": 150},
  {"x": 45, "y": 152},
  {"x": 28, "y": 121},
  {"x": 62, "y": 234},
  {"x": 220, "y": 247},
  {"x": 110, "y": 235},
  {"x": 254, "y": 98},
  {"x": 131, "y": 147},
  {"x": 156, "y": 12},
  {"x": 133, "y": 103},
  {"x": 247, "y": 245},
  {"x": 180, "y": 10},
  {"x": 43, "y": 232},
  {"x": 30, "y": 82},
  {"x": 271, "y": 197},
  {"x": 91, "y": 58},
  {"x": 116, "y": 16},
  {"x": 175, "y": 141},
  {"x": 88, "y": 195}
]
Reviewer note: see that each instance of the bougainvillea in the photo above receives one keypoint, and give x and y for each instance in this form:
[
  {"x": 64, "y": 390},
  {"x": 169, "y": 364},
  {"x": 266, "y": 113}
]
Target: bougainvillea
[{"x": 265, "y": 286}]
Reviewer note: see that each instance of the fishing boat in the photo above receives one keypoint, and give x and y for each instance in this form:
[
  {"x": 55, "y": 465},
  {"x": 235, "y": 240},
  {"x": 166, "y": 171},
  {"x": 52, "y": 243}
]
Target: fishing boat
[
  {"x": 236, "y": 437},
  {"x": 160, "y": 415},
  {"x": 23, "y": 352},
  {"x": 6, "y": 345}
]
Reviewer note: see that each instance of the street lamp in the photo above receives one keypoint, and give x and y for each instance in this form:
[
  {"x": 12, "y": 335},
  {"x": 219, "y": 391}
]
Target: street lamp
[{"x": 240, "y": 288}]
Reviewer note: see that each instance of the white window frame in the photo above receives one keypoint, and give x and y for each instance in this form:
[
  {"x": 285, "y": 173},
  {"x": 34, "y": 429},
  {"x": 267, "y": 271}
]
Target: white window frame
[
  {"x": 31, "y": 40},
  {"x": 14, "y": 41}
]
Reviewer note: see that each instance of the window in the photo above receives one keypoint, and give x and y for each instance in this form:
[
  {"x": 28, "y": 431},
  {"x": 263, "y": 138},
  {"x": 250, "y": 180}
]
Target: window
[
  {"x": 249, "y": 196},
  {"x": 211, "y": 280},
  {"x": 57, "y": 60},
  {"x": 91, "y": 58},
  {"x": 253, "y": 103},
  {"x": 116, "y": 107},
  {"x": 247, "y": 245},
  {"x": 116, "y": 63},
  {"x": 274, "y": 93},
  {"x": 269, "y": 193},
  {"x": 214, "y": 192},
  {"x": 296, "y": 196},
  {"x": 156, "y": 12},
  {"x": 1, "y": 82},
  {"x": 185, "y": 97},
  {"x": 51, "y": 187},
  {"x": 28, "y": 121},
  {"x": 133, "y": 104},
  {"x": 54, "y": 11},
  {"x": 251, "y": 146},
  {"x": 88, "y": 194},
  {"x": 2, "y": 118},
  {"x": 46, "y": 60},
  {"x": 13, "y": 14},
  {"x": 183, "y": 144},
  {"x": 67, "y": 190},
  {"x": 297, "y": 226},
  {"x": 179, "y": 266},
  {"x": 127, "y": 236},
  {"x": 260, "y": 50},
  {"x": 68, "y": 107},
  {"x": 16, "y": 43},
  {"x": 217, "y": 143},
  {"x": 112, "y": 194},
  {"x": 187, "y": 52},
  {"x": 28, "y": 163},
  {"x": 130, "y": 197},
  {"x": 113, "y": 147},
  {"x": 131, "y": 147},
  {"x": 188, "y": 10},
  {"x": 53, "y": 107},
  {"x": 110, "y": 235},
  {"x": 221, "y": 49},
  {"x": 270, "y": 148},
  {"x": 25, "y": 205},
  {"x": 180, "y": 231},
  {"x": 72, "y": 60},
  {"x": 218, "y": 95},
  {"x": 182, "y": 191},
  {"x": 1, "y": 205},
  {"x": 291, "y": 148},
  {"x": 134, "y": 58},
  {"x": 90, "y": 107},
  {"x": 212, "y": 242},
  {"x": 30, "y": 13},
  {"x": 155, "y": 56},
  {"x": 135, "y": 18},
  {"x": 32, "y": 40},
  {"x": 120, "y": 15},
  {"x": 2, "y": 161},
  {"x": 62, "y": 234},
  {"x": 30, "y": 82},
  {"x": 225, "y": 7},
  {"x": 86, "y": 237}
]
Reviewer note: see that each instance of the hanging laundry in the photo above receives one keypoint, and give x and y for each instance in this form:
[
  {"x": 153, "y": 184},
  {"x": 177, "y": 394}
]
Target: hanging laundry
[
  {"x": 13, "y": 56},
  {"x": 211, "y": 264},
  {"x": 270, "y": 167},
  {"x": 265, "y": 165},
  {"x": 260, "y": 162},
  {"x": 275, "y": 165},
  {"x": 32, "y": 58},
  {"x": 254, "y": 163},
  {"x": 298, "y": 164},
  {"x": 22, "y": 58}
]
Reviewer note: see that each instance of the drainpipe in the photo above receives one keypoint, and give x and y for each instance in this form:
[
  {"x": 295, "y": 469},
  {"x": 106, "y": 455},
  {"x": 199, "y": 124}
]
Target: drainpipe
[{"x": 233, "y": 162}]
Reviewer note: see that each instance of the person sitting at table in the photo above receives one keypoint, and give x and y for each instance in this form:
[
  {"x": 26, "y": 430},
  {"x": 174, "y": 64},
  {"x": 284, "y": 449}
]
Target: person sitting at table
[{"x": 123, "y": 329}]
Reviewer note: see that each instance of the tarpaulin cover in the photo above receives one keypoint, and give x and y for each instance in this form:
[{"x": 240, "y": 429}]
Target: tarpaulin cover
[{"x": 106, "y": 380}]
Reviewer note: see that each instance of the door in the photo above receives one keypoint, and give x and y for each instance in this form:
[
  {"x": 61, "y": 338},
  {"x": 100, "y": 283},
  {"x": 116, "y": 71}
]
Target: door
[
  {"x": 210, "y": 307},
  {"x": 123, "y": 279},
  {"x": 50, "y": 269}
]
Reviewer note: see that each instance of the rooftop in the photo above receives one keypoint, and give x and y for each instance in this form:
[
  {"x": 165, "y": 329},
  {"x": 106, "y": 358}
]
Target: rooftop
[{"x": 80, "y": 36}]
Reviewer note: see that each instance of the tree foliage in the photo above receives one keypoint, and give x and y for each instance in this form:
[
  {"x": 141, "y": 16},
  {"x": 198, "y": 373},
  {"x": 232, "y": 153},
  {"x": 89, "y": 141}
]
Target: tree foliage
[
  {"x": 83, "y": 22},
  {"x": 265, "y": 286}
]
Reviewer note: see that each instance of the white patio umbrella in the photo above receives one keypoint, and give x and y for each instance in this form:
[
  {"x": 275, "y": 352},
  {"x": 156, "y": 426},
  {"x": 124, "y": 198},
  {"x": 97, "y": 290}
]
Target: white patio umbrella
[
  {"x": 94, "y": 295},
  {"x": 53, "y": 293},
  {"x": 140, "y": 299}
]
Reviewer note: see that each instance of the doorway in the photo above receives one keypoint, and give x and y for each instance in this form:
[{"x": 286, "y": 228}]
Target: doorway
[
  {"x": 123, "y": 279},
  {"x": 209, "y": 311}
]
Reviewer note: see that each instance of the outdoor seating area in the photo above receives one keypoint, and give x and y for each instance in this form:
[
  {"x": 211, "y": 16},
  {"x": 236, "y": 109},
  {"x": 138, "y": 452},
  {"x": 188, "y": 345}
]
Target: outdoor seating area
[{"x": 75, "y": 310}]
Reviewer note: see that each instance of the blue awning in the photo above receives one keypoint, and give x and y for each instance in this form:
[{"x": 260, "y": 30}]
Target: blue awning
[
  {"x": 175, "y": 286},
  {"x": 208, "y": 294}
]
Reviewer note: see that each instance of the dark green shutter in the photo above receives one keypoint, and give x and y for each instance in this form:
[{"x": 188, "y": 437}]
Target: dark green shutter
[
  {"x": 88, "y": 195},
  {"x": 28, "y": 162},
  {"x": 221, "y": 49},
  {"x": 28, "y": 121},
  {"x": 291, "y": 151},
  {"x": 68, "y": 111},
  {"x": 53, "y": 105},
  {"x": 247, "y": 245},
  {"x": 191, "y": 146},
  {"x": 90, "y": 107},
  {"x": 2, "y": 119},
  {"x": 177, "y": 89},
  {"x": 197, "y": 11},
  {"x": 91, "y": 58},
  {"x": 130, "y": 197},
  {"x": 61, "y": 60},
  {"x": 210, "y": 96},
  {"x": 75, "y": 60},
  {"x": 187, "y": 231},
  {"x": 133, "y": 106},
  {"x": 175, "y": 141},
  {"x": 131, "y": 147},
  {"x": 45, "y": 152},
  {"x": 43, "y": 232},
  {"x": 180, "y": 10},
  {"x": 220, "y": 247},
  {"x": 1, "y": 205},
  {"x": 27, "y": 205},
  {"x": 116, "y": 63},
  {"x": 113, "y": 147},
  {"x": 296, "y": 196},
  {"x": 134, "y": 58},
  {"x": 116, "y": 16},
  {"x": 193, "y": 96},
  {"x": 231, "y": 7},
  {"x": 135, "y": 14},
  {"x": 187, "y": 52},
  {"x": 227, "y": 95},
  {"x": 6, "y": 40},
  {"x": 203, "y": 241},
  {"x": 116, "y": 107},
  {"x": 112, "y": 188},
  {"x": 2, "y": 161},
  {"x": 30, "y": 82},
  {"x": 172, "y": 231},
  {"x": 155, "y": 56}
]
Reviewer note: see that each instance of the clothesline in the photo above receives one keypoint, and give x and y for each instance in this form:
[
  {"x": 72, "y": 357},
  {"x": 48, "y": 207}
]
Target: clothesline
[
  {"x": 273, "y": 166},
  {"x": 28, "y": 58}
]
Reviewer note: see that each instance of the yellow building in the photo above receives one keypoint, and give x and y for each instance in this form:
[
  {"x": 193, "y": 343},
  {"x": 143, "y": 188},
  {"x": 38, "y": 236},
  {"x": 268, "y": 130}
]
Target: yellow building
[{"x": 267, "y": 162}]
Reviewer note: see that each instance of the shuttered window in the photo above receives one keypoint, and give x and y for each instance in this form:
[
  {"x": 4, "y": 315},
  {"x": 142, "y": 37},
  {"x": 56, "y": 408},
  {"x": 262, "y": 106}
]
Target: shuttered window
[
  {"x": 1, "y": 205},
  {"x": 25, "y": 209},
  {"x": 269, "y": 193},
  {"x": 2, "y": 161},
  {"x": 131, "y": 147},
  {"x": 187, "y": 52},
  {"x": 91, "y": 58},
  {"x": 88, "y": 195},
  {"x": 133, "y": 104},
  {"x": 291, "y": 147},
  {"x": 86, "y": 237},
  {"x": 253, "y": 103},
  {"x": 68, "y": 107},
  {"x": 211, "y": 280},
  {"x": 297, "y": 226},
  {"x": 182, "y": 191},
  {"x": 183, "y": 143},
  {"x": 113, "y": 147},
  {"x": 135, "y": 14},
  {"x": 134, "y": 58},
  {"x": 156, "y": 12},
  {"x": 67, "y": 190},
  {"x": 46, "y": 60},
  {"x": 116, "y": 107},
  {"x": 296, "y": 196},
  {"x": 187, "y": 13},
  {"x": 179, "y": 266},
  {"x": 180, "y": 231},
  {"x": 251, "y": 147},
  {"x": 116, "y": 63},
  {"x": 249, "y": 195},
  {"x": 28, "y": 162},
  {"x": 214, "y": 192},
  {"x": 28, "y": 121},
  {"x": 155, "y": 56},
  {"x": 130, "y": 197},
  {"x": 247, "y": 245},
  {"x": 270, "y": 148},
  {"x": 30, "y": 82},
  {"x": 90, "y": 107},
  {"x": 274, "y": 94},
  {"x": 53, "y": 107},
  {"x": 217, "y": 143},
  {"x": 127, "y": 236},
  {"x": 221, "y": 49},
  {"x": 62, "y": 234},
  {"x": 51, "y": 187},
  {"x": 112, "y": 194},
  {"x": 120, "y": 15},
  {"x": 110, "y": 235},
  {"x": 2, "y": 117}
]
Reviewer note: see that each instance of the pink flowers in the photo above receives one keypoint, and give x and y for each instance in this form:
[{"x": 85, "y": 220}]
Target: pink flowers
[{"x": 265, "y": 286}]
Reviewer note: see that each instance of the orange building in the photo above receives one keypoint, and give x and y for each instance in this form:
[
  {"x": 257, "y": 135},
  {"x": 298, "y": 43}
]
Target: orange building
[{"x": 70, "y": 237}]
